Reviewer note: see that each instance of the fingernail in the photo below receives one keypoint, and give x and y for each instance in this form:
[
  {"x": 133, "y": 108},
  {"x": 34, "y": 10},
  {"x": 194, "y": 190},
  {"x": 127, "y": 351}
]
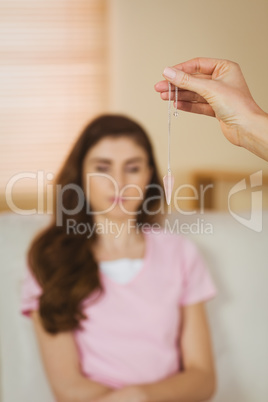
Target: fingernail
[{"x": 169, "y": 73}]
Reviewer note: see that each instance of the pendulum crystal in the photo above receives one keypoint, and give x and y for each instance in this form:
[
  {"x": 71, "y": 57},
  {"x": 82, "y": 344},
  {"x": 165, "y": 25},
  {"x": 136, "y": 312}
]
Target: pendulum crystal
[{"x": 168, "y": 179}]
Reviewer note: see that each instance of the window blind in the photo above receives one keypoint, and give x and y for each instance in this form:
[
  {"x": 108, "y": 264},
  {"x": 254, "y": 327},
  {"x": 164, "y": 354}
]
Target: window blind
[{"x": 53, "y": 73}]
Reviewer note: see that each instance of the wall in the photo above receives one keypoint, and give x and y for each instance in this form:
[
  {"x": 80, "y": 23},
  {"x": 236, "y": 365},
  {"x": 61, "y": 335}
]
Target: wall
[{"x": 146, "y": 36}]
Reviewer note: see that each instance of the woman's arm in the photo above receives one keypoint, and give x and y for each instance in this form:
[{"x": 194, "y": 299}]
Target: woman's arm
[
  {"x": 197, "y": 381},
  {"x": 60, "y": 357}
]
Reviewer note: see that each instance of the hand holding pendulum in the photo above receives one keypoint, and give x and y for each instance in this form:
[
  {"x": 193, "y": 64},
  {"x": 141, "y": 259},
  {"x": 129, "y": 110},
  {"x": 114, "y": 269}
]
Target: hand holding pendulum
[{"x": 168, "y": 179}]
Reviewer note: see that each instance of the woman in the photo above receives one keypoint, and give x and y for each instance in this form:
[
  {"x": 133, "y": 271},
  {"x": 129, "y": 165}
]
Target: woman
[{"x": 117, "y": 306}]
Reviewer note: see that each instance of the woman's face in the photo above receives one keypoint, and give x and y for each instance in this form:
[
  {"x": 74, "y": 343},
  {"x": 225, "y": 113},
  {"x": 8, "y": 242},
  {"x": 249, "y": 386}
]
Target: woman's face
[{"x": 115, "y": 175}]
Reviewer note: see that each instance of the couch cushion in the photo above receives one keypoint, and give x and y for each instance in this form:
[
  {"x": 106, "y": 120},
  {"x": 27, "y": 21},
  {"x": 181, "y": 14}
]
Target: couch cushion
[{"x": 237, "y": 260}]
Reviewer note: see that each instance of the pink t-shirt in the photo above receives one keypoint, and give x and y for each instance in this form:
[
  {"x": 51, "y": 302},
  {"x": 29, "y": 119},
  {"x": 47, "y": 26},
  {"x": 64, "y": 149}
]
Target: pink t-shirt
[{"x": 131, "y": 334}]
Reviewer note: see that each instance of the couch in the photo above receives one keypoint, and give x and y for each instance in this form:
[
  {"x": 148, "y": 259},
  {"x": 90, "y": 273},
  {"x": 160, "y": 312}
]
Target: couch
[{"x": 237, "y": 259}]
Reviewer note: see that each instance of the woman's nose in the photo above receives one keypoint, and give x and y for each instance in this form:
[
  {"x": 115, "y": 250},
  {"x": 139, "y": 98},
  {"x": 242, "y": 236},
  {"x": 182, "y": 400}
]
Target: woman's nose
[{"x": 119, "y": 179}]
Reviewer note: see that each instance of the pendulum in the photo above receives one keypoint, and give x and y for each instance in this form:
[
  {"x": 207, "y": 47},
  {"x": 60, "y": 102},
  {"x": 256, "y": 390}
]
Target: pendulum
[
  {"x": 168, "y": 179},
  {"x": 176, "y": 113}
]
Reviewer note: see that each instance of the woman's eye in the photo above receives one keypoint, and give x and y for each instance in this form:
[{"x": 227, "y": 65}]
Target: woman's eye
[
  {"x": 102, "y": 168},
  {"x": 133, "y": 169}
]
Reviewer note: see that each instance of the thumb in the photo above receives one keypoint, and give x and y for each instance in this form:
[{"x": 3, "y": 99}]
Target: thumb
[{"x": 187, "y": 81}]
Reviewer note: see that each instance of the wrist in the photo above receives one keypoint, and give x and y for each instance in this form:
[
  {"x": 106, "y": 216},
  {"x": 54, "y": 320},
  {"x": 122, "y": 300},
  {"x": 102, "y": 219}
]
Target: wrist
[{"x": 254, "y": 135}]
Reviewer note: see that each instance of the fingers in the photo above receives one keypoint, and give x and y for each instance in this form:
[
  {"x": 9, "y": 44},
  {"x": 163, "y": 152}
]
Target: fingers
[
  {"x": 188, "y": 81},
  {"x": 201, "y": 82},
  {"x": 162, "y": 86},
  {"x": 187, "y": 96},
  {"x": 203, "y": 65},
  {"x": 198, "y": 108},
  {"x": 195, "y": 75}
]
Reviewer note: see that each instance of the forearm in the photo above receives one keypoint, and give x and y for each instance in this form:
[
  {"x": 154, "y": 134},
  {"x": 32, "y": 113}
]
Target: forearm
[
  {"x": 191, "y": 385},
  {"x": 255, "y": 136},
  {"x": 84, "y": 390}
]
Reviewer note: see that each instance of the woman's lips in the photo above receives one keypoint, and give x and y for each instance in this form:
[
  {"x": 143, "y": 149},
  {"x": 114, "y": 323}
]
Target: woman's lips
[{"x": 117, "y": 199}]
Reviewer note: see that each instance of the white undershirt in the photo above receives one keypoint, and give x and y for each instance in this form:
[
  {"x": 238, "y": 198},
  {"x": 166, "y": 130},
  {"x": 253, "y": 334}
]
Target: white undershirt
[{"x": 121, "y": 270}]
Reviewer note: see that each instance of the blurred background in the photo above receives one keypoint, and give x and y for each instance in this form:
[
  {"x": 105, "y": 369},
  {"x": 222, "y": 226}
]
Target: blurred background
[{"x": 64, "y": 62}]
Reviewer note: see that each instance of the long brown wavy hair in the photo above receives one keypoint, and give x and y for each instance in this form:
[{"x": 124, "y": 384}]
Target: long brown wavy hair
[{"x": 63, "y": 263}]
